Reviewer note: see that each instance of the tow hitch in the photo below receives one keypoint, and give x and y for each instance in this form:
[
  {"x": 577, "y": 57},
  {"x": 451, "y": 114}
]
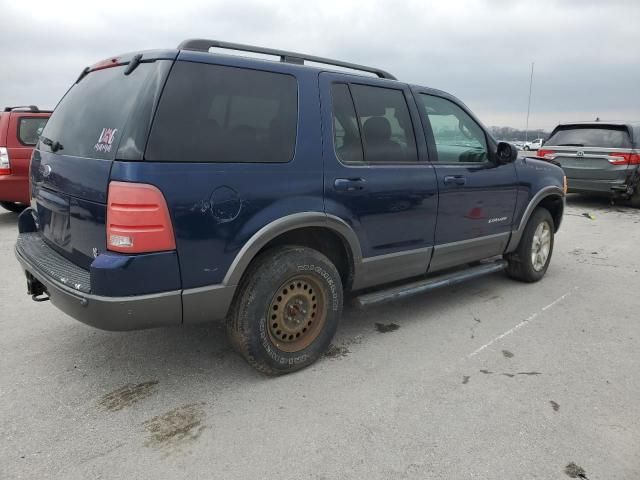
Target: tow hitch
[{"x": 36, "y": 289}]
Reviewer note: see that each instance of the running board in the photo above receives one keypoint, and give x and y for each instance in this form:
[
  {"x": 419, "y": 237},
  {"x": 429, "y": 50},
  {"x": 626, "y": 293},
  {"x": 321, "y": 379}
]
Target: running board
[{"x": 429, "y": 284}]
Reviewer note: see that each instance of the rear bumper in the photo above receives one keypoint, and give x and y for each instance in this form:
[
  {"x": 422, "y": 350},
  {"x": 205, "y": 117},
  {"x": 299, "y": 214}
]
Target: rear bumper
[
  {"x": 577, "y": 185},
  {"x": 63, "y": 283},
  {"x": 14, "y": 188}
]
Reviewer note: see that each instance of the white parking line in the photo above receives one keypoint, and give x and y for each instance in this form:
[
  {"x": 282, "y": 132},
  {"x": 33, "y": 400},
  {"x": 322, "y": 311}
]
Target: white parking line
[{"x": 518, "y": 326}]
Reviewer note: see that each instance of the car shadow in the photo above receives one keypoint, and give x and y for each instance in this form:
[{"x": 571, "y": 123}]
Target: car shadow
[
  {"x": 202, "y": 353},
  {"x": 598, "y": 202},
  {"x": 8, "y": 218}
]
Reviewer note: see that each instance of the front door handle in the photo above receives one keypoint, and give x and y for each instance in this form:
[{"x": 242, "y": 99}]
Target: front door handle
[
  {"x": 349, "y": 184},
  {"x": 455, "y": 180}
]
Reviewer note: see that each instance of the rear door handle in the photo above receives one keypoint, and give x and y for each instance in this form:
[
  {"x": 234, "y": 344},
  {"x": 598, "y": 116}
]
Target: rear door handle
[
  {"x": 455, "y": 180},
  {"x": 349, "y": 184}
]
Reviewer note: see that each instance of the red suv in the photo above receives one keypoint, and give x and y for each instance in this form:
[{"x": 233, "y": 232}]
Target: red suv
[{"x": 20, "y": 128}]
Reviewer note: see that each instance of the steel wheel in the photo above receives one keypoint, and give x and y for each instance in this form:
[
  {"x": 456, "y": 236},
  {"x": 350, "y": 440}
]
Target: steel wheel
[
  {"x": 296, "y": 313},
  {"x": 541, "y": 246}
]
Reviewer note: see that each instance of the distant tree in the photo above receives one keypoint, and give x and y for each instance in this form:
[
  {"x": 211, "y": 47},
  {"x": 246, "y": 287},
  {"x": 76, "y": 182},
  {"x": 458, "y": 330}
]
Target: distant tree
[{"x": 511, "y": 134}]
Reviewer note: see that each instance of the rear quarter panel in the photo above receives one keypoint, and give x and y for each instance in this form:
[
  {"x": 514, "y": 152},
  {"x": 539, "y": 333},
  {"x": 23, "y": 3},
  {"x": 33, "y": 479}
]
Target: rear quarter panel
[{"x": 217, "y": 207}]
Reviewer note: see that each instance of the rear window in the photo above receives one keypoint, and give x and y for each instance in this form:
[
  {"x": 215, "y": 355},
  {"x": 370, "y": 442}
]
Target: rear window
[
  {"x": 30, "y": 129},
  {"x": 590, "y": 136},
  {"x": 104, "y": 108},
  {"x": 213, "y": 113}
]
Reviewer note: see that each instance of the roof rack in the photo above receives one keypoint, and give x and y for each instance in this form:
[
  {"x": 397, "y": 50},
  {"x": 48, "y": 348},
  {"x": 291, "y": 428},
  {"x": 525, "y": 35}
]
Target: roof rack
[
  {"x": 31, "y": 108},
  {"x": 203, "y": 45}
]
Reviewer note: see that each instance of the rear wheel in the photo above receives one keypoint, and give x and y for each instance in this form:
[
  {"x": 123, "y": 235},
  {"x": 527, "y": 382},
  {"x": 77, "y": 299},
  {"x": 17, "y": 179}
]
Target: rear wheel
[
  {"x": 13, "y": 207},
  {"x": 531, "y": 259},
  {"x": 287, "y": 309}
]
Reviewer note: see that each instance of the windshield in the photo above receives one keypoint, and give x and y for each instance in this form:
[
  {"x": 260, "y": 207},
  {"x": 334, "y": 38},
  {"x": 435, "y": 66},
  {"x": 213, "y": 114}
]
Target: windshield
[
  {"x": 106, "y": 111},
  {"x": 589, "y": 136}
]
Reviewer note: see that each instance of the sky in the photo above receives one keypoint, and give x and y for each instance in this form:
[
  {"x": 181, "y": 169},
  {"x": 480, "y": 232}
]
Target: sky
[{"x": 586, "y": 56}]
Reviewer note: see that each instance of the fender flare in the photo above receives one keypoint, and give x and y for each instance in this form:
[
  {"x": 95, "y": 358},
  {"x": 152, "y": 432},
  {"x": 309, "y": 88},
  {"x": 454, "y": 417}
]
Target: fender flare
[
  {"x": 545, "y": 192},
  {"x": 285, "y": 224}
]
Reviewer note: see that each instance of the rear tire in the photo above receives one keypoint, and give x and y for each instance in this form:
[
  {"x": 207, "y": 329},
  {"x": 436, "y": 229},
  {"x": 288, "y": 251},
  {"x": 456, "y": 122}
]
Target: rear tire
[
  {"x": 287, "y": 310},
  {"x": 13, "y": 207},
  {"x": 634, "y": 201},
  {"x": 531, "y": 259}
]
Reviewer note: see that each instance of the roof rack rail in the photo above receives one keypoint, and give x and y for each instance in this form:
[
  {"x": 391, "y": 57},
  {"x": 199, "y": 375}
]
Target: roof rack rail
[
  {"x": 203, "y": 45},
  {"x": 31, "y": 108}
]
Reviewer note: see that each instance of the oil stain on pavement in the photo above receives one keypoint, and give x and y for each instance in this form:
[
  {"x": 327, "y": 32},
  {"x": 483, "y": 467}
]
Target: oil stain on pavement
[
  {"x": 575, "y": 471},
  {"x": 387, "y": 327},
  {"x": 175, "y": 429},
  {"x": 127, "y": 395},
  {"x": 335, "y": 351}
]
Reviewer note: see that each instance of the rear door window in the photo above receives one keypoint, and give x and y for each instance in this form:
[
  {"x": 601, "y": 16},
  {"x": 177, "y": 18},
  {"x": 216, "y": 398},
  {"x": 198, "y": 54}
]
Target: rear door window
[
  {"x": 385, "y": 123},
  {"x": 346, "y": 133},
  {"x": 30, "y": 129},
  {"x": 213, "y": 113},
  {"x": 93, "y": 117},
  {"x": 590, "y": 136}
]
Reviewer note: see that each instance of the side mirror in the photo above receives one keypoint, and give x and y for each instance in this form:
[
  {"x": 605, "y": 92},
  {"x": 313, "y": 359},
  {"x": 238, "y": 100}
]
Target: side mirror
[{"x": 506, "y": 153}]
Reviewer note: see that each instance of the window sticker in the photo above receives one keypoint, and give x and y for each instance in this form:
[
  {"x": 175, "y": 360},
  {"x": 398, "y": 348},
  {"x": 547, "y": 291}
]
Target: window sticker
[{"x": 105, "y": 140}]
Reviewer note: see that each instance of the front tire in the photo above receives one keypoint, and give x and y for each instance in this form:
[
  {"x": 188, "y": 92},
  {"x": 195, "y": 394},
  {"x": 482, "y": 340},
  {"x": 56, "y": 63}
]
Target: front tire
[
  {"x": 287, "y": 309},
  {"x": 13, "y": 207},
  {"x": 531, "y": 259}
]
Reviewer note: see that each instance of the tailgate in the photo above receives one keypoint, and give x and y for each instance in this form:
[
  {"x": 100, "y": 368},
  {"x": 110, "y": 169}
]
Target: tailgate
[
  {"x": 105, "y": 116},
  {"x": 591, "y": 164}
]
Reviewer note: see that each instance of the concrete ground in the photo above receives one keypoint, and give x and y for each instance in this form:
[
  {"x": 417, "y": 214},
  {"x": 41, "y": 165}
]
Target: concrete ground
[{"x": 492, "y": 379}]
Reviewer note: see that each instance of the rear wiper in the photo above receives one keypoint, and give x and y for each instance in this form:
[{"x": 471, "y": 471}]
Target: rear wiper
[
  {"x": 571, "y": 145},
  {"x": 52, "y": 144}
]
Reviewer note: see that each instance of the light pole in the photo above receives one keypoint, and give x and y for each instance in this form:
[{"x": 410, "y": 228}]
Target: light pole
[{"x": 526, "y": 131}]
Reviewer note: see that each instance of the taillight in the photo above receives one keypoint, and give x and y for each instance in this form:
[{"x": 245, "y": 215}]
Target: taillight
[
  {"x": 624, "y": 158},
  {"x": 548, "y": 154},
  {"x": 5, "y": 164},
  {"x": 138, "y": 219}
]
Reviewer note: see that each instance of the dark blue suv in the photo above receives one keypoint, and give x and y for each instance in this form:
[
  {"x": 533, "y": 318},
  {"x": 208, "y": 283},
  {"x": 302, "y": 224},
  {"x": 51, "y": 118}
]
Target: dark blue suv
[{"x": 182, "y": 186}]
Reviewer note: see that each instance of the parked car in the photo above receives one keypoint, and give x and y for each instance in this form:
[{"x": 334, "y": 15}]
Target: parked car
[
  {"x": 204, "y": 187},
  {"x": 598, "y": 157},
  {"x": 20, "y": 128},
  {"x": 534, "y": 144}
]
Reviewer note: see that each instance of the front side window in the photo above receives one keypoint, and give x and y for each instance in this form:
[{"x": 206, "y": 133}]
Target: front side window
[
  {"x": 459, "y": 139},
  {"x": 30, "y": 129},
  {"x": 385, "y": 122},
  {"x": 214, "y": 113}
]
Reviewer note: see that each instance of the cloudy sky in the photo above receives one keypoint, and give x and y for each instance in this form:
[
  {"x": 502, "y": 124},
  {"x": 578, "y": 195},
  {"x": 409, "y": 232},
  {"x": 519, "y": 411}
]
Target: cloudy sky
[{"x": 587, "y": 61}]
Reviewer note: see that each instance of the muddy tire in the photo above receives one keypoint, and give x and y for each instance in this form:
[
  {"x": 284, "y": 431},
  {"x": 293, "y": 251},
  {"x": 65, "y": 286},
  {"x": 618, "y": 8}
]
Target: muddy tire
[
  {"x": 13, "y": 207},
  {"x": 286, "y": 310},
  {"x": 531, "y": 259}
]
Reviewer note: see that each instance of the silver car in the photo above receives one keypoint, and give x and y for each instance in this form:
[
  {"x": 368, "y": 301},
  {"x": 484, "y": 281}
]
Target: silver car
[{"x": 598, "y": 157}]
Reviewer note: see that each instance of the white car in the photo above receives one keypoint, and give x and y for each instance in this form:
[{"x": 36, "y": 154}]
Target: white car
[{"x": 534, "y": 144}]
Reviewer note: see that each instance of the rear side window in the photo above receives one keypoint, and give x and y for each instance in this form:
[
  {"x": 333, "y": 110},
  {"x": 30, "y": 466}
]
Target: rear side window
[
  {"x": 30, "y": 129},
  {"x": 104, "y": 108},
  {"x": 213, "y": 113},
  {"x": 385, "y": 124},
  {"x": 590, "y": 136}
]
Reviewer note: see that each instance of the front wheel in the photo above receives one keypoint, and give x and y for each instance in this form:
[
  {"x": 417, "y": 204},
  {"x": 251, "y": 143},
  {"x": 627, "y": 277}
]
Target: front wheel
[
  {"x": 287, "y": 309},
  {"x": 531, "y": 259},
  {"x": 13, "y": 207}
]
